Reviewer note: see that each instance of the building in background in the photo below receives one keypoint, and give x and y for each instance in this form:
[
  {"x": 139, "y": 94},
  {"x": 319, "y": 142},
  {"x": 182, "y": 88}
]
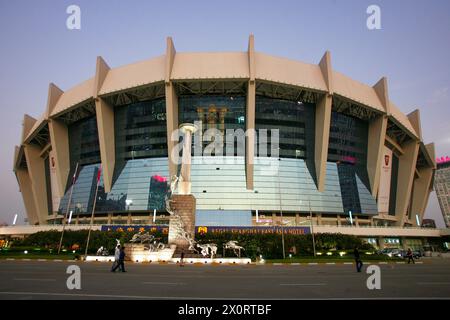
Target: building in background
[
  {"x": 428, "y": 223},
  {"x": 442, "y": 187},
  {"x": 346, "y": 153}
]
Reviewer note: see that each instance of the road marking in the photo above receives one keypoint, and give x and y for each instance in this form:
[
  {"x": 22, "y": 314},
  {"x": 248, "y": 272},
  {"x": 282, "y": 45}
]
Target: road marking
[
  {"x": 312, "y": 263},
  {"x": 331, "y": 263},
  {"x": 42, "y": 259},
  {"x": 295, "y": 264},
  {"x": 26, "y": 259},
  {"x": 10, "y": 259},
  {"x": 348, "y": 262},
  {"x": 57, "y": 260},
  {"x": 277, "y": 264},
  {"x": 202, "y": 298},
  {"x": 382, "y": 263},
  {"x": 434, "y": 283},
  {"x": 166, "y": 283},
  {"x": 23, "y": 279},
  {"x": 400, "y": 262},
  {"x": 302, "y": 284}
]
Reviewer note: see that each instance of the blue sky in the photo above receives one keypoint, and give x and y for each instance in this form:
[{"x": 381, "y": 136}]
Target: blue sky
[{"x": 411, "y": 50}]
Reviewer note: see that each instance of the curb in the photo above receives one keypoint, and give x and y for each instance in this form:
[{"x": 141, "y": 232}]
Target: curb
[{"x": 225, "y": 264}]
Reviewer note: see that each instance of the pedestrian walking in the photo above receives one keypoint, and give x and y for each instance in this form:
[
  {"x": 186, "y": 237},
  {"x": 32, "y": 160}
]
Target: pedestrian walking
[
  {"x": 182, "y": 258},
  {"x": 116, "y": 258},
  {"x": 410, "y": 256},
  {"x": 121, "y": 263},
  {"x": 358, "y": 260}
]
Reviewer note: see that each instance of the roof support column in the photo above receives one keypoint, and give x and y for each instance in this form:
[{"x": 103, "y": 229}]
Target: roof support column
[
  {"x": 322, "y": 125},
  {"x": 105, "y": 126},
  {"x": 59, "y": 138},
  {"x": 250, "y": 116},
  {"x": 377, "y": 136},
  {"x": 36, "y": 171},
  {"x": 375, "y": 144},
  {"x": 322, "y": 137},
  {"x": 171, "y": 106},
  {"x": 420, "y": 195},
  {"x": 27, "y": 194},
  {"x": 406, "y": 171}
]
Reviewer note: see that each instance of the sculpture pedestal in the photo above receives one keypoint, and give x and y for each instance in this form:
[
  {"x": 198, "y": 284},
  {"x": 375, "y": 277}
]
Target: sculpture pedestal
[
  {"x": 184, "y": 206},
  {"x": 138, "y": 253}
]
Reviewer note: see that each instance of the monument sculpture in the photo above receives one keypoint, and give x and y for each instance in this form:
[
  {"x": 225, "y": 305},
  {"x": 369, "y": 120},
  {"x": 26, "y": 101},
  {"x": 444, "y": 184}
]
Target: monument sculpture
[
  {"x": 233, "y": 246},
  {"x": 180, "y": 203}
]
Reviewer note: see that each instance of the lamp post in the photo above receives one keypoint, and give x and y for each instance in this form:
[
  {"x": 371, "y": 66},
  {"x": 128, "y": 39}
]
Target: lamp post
[
  {"x": 312, "y": 229},
  {"x": 310, "y": 218},
  {"x": 281, "y": 213}
]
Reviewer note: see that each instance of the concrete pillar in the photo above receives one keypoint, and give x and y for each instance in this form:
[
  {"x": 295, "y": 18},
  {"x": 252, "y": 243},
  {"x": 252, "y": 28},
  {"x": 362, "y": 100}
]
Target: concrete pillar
[
  {"x": 59, "y": 137},
  {"x": 250, "y": 116},
  {"x": 406, "y": 171},
  {"x": 322, "y": 137},
  {"x": 36, "y": 170},
  {"x": 25, "y": 186},
  {"x": 322, "y": 124},
  {"x": 420, "y": 194},
  {"x": 375, "y": 143},
  {"x": 105, "y": 126},
  {"x": 171, "y": 105}
]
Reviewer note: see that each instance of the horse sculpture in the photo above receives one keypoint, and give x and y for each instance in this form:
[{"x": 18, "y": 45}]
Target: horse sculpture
[
  {"x": 234, "y": 246},
  {"x": 142, "y": 238},
  {"x": 148, "y": 240},
  {"x": 207, "y": 249}
]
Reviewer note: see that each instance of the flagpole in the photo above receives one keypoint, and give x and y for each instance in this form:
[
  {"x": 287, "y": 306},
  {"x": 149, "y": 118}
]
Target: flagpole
[
  {"x": 68, "y": 208},
  {"x": 93, "y": 210}
]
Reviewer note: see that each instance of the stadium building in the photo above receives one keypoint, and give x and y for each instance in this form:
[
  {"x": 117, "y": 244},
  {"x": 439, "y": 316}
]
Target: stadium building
[{"x": 346, "y": 153}]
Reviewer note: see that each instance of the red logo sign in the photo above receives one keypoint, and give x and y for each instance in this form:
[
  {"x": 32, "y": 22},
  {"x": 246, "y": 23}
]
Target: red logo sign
[{"x": 386, "y": 160}]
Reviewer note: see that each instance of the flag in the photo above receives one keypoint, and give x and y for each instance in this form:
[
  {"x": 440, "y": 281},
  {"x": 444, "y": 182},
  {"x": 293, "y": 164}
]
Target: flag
[
  {"x": 99, "y": 173},
  {"x": 74, "y": 178}
]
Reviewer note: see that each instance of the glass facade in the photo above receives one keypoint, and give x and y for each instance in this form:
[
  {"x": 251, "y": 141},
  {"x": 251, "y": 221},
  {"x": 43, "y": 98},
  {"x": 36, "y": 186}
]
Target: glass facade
[
  {"x": 83, "y": 142},
  {"x": 141, "y": 186},
  {"x": 221, "y": 112},
  {"x": 348, "y": 139},
  {"x": 348, "y": 148},
  {"x": 295, "y": 122},
  {"x": 393, "y": 191},
  {"x": 48, "y": 186},
  {"x": 140, "y": 130}
]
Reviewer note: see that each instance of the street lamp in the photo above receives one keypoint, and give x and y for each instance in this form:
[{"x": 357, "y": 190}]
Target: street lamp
[
  {"x": 311, "y": 226},
  {"x": 310, "y": 219},
  {"x": 281, "y": 214}
]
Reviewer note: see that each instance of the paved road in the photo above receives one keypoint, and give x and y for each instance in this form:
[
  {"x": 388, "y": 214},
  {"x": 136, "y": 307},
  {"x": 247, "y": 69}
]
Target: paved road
[{"x": 47, "y": 280}]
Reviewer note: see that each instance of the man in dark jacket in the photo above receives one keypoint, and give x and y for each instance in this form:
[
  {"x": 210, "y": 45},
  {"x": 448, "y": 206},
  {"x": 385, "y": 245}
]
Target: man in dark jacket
[{"x": 358, "y": 260}]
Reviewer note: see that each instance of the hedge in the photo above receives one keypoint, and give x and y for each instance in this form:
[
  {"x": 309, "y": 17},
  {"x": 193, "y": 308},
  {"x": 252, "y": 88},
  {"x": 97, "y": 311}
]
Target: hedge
[{"x": 268, "y": 245}]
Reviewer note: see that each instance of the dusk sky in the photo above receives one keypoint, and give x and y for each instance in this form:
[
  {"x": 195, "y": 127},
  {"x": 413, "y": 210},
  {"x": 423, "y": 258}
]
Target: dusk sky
[{"x": 412, "y": 50}]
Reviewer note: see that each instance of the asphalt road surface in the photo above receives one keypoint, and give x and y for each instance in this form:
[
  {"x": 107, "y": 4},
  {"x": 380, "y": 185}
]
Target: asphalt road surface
[{"x": 47, "y": 280}]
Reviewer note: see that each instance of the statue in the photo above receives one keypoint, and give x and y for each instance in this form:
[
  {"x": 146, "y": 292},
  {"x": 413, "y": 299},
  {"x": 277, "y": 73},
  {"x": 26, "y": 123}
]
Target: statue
[
  {"x": 234, "y": 246},
  {"x": 208, "y": 249},
  {"x": 102, "y": 251},
  {"x": 142, "y": 238}
]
